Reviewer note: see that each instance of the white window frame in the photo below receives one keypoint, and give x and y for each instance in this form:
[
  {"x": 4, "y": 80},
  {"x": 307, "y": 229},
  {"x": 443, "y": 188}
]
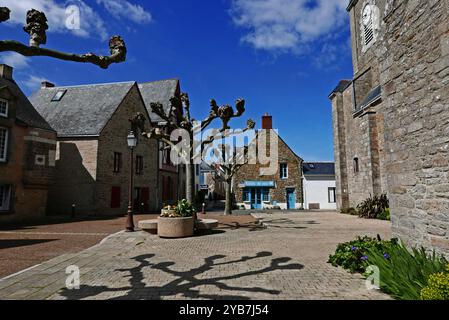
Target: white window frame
[
  {"x": 4, "y": 156},
  {"x": 283, "y": 177},
  {"x": 5, "y": 114},
  {"x": 334, "y": 194},
  {"x": 6, "y": 198}
]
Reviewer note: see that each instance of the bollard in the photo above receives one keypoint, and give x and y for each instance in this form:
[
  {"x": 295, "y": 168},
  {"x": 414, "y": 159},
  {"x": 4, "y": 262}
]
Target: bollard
[
  {"x": 204, "y": 209},
  {"x": 73, "y": 210}
]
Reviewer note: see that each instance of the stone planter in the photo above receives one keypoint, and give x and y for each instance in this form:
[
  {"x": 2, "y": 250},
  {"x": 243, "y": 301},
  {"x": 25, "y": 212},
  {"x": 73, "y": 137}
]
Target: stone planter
[{"x": 175, "y": 227}]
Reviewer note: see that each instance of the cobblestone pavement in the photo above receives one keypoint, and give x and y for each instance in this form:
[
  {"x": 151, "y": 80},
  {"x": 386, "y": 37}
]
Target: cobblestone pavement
[
  {"x": 23, "y": 246},
  {"x": 286, "y": 260}
]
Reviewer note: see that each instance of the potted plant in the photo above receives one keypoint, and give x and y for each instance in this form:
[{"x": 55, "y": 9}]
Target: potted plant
[{"x": 176, "y": 221}]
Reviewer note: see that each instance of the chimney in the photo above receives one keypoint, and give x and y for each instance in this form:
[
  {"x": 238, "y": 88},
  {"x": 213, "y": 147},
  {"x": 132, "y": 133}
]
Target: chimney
[
  {"x": 267, "y": 122},
  {"x": 6, "y": 72},
  {"x": 46, "y": 84}
]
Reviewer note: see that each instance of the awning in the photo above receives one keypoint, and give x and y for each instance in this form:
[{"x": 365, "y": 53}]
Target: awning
[{"x": 260, "y": 184}]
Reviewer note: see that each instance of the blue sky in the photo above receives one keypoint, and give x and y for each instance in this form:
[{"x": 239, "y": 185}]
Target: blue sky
[{"x": 282, "y": 56}]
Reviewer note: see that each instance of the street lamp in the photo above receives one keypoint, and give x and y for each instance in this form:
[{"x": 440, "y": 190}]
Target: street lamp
[{"x": 132, "y": 143}]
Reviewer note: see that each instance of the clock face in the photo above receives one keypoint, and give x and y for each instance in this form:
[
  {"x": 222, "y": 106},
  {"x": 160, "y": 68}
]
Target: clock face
[{"x": 366, "y": 16}]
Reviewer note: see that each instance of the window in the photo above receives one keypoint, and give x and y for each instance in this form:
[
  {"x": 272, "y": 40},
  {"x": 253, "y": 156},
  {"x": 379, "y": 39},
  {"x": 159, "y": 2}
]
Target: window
[
  {"x": 3, "y": 144},
  {"x": 166, "y": 155},
  {"x": 3, "y": 108},
  {"x": 58, "y": 96},
  {"x": 356, "y": 165},
  {"x": 246, "y": 195},
  {"x": 284, "y": 171},
  {"x": 5, "y": 196},
  {"x": 265, "y": 195},
  {"x": 117, "y": 162},
  {"x": 331, "y": 195},
  {"x": 139, "y": 165}
]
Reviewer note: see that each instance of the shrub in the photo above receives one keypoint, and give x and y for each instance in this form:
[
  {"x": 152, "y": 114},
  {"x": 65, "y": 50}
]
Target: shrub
[
  {"x": 353, "y": 255},
  {"x": 185, "y": 209},
  {"x": 351, "y": 211},
  {"x": 373, "y": 207},
  {"x": 385, "y": 215},
  {"x": 404, "y": 273},
  {"x": 437, "y": 287},
  {"x": 182, "y": 209}
]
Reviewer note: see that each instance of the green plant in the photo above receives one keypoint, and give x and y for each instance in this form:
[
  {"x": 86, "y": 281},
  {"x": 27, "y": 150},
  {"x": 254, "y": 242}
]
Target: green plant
[
  {"x": 373, "y": 207},
  {"x": 384, "y": 215},
  {"x": 184, "y": 208},
  {"x": 351, "y": 211},
  {"x": 353, "y": 255},
  {"x": 437, "y": 287},
  {"x": 404, "y": 273}
]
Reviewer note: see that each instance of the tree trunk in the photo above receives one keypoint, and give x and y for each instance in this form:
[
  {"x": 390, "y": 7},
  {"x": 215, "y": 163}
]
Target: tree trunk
[
  {"x": 228, "y": 202},
  {"x": 190, "y": 182}
]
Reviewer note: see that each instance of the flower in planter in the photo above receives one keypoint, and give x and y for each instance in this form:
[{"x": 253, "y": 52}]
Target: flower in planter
[
  {"x": 354, "y": 248},
  {"x": 364, "y": 258},
  {"x": 386, "y": 256}
]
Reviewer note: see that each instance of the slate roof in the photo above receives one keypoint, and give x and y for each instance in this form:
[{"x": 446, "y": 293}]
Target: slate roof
[
  {"x": 341, "y": 87},
  {"x": 25, "y": 111},
  {"x": 318, "y": 168},
  {"x": 83, "y": 110},
  {"x": 158, "y": 91}
]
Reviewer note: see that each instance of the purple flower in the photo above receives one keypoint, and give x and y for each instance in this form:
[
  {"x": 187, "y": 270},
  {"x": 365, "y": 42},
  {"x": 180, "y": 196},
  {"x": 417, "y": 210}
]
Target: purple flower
[
  {"x": 364, "y": 258},
  {"x": 386, "y": 256},
  {"x": 354, "y": 248}
]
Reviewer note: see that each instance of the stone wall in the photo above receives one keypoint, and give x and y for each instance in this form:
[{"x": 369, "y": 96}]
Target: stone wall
[
  {"x": 415, "y": 77},
  {"x": 29, "y": 181},
  {"x": 251, "y": 172},
  {"x": 75, "y": 179},
  {"x": 113, "y": 139}
]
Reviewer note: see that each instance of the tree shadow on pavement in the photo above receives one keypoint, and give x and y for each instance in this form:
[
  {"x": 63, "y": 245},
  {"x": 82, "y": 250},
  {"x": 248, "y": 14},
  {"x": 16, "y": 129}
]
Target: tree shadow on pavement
[
  {"x": 185, "y": 281},
  {"x": 14, "y": 243},
  {"x": 285, "y": 223}
]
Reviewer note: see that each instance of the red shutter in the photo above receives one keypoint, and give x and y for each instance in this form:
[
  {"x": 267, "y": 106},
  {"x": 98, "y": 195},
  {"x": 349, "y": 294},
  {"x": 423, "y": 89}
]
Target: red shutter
[{"x": 115, "y": 197}]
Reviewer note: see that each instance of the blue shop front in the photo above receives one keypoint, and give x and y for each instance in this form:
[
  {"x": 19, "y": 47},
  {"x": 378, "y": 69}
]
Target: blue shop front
[{"x": 257, "y": 192}]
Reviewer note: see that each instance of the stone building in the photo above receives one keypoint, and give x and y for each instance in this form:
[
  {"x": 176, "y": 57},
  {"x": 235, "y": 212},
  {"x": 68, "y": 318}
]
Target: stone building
[
  {"x": 171, "y": 178},
  {"x": 282, "y": 189},
  {"x": 391, "y": 120},
  {"x": 27, "y": 154},
  {"x": 92, "y": 155}
]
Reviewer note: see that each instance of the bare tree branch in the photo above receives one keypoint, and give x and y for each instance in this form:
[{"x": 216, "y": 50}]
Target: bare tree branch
[{"x": 36, "y": 25}]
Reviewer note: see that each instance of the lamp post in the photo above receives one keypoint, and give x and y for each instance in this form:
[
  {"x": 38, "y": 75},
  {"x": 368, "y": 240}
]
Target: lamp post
[{"x": 132, "y": 143}]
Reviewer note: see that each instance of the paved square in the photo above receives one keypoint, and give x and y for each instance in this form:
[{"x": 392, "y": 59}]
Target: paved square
[{"x": 286, "y": 260}]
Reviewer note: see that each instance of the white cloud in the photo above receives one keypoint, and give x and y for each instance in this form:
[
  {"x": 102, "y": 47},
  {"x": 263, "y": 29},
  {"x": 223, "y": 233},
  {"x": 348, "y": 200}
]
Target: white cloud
[
  {"x": 288, "y": 25},
  {"x": 33, "y": 82},
  {"x": 127, "y": 10},
  {"x": 15, "y": 60},
  {"x": 91, "y": 23}
]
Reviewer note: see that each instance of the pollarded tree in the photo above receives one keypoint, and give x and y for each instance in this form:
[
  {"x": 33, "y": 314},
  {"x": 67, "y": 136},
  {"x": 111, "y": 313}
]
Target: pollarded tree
[
  {"x": 36, "y": 26},
  {"x": 186, "y": 147}
]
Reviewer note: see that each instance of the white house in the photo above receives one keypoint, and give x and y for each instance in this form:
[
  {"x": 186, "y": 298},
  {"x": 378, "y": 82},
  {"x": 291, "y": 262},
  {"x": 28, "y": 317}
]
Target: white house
[{"x": 319, "y": 186}]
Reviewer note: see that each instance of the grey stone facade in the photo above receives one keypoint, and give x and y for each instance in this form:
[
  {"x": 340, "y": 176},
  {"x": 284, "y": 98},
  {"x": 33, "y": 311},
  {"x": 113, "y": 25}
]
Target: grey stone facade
[
  {"x": 278, "y": 193},
  {"x": 92, "y": 124},
  {"x": 401, "y": 136}
]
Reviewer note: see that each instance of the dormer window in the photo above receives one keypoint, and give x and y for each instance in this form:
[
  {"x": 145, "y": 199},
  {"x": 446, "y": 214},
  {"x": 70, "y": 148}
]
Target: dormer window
[{"x": 3, "y": 108}]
